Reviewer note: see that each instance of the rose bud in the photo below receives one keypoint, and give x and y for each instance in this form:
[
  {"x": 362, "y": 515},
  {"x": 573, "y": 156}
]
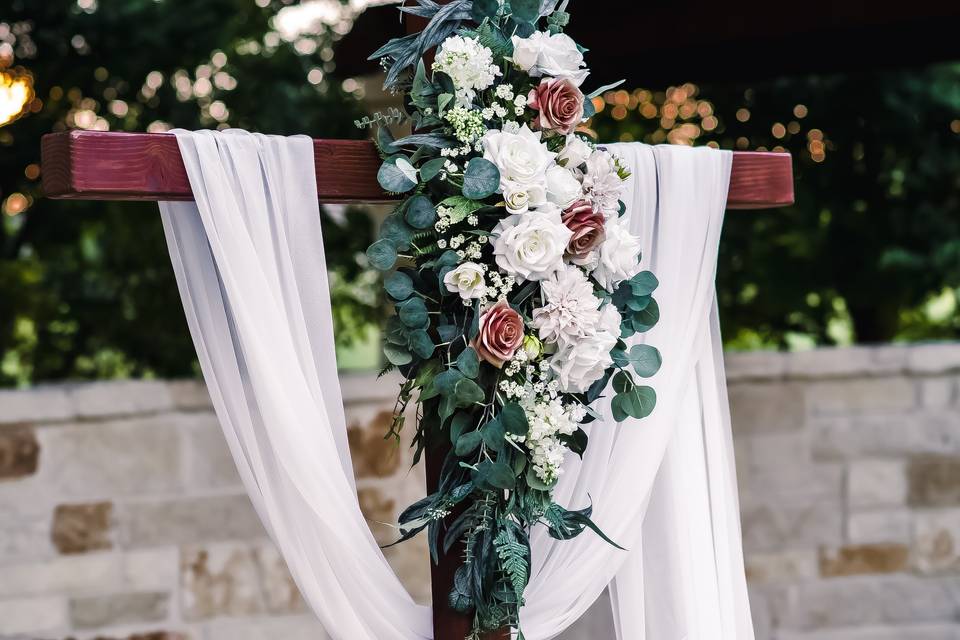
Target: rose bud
[{"x": 587, "y": 226}]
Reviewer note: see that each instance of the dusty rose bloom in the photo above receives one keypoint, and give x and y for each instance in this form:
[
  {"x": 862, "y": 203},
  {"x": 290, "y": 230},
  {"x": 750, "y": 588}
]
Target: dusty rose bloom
[
  {"x": 500, "y": 335},
  {"x": 587, "y": 226},
  {"x": 560, "y": 104}
]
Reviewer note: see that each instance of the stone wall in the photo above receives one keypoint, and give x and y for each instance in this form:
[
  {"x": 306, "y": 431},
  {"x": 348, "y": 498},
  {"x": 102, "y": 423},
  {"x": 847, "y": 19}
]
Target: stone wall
[{"x": 122, "y": 517}]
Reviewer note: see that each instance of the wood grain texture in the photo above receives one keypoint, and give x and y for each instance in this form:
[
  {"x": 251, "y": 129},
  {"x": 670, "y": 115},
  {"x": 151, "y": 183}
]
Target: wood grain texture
[{"x": 106, "y": 165}]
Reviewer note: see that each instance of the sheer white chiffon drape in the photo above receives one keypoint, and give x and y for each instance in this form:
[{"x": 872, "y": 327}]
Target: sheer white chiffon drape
[{"x": 248, "y": 258}]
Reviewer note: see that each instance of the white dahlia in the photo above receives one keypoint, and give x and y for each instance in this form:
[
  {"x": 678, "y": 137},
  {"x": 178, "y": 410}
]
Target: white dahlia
[{"x": 571, "y": 311}]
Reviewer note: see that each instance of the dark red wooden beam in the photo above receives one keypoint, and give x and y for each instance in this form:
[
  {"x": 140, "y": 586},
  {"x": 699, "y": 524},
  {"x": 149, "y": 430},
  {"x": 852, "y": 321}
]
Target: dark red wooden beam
[{"x": 107, "y": 165}]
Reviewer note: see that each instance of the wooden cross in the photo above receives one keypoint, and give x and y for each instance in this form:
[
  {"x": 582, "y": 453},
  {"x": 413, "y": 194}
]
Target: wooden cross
[{"x": 96, "y": 165}]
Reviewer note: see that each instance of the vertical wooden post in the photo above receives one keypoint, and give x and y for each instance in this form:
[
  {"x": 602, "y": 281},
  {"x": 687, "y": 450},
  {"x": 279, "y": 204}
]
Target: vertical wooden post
[{"x": 447, "y": 623}]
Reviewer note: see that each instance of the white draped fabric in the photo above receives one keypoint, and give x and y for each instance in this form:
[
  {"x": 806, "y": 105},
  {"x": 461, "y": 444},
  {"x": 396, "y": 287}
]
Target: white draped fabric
[{"x": 249, "y": 263}]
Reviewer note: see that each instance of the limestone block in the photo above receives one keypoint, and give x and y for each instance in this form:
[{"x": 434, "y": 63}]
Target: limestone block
[
  {"x": 772, "y": 527},
  {"x": 939, "y": 392},
  {"x": 751, "y": 365},
  {"x": 19, "y": 452},
  {"x": 852, "y": 560},
  {"x": 207, "y": 461},
  {"x": 766, "y": 407},
  {"x": 117, "y": 398},
  {"x": 188, "y": 521},
  {"x": 876, "y": 483},
  {"x": 303, "y": 627},
  {"x": 864, "y": 396},
  {"x": 33, "y": 616},
  {"x": 380, "y": 511},
  {"x": 236, "y": 579},
  {"x": 39, "y": 404},
  {"x": 884, "y": 525},
  {"x": 78, "y": 528},
  {"x": 934, "y": 358},
  {"x": 937, "y": 540},
  {"x": 937, "y": 631},
  {"x": 834, "y": 362},
  {"x": 934, "y": 481},
  {"x": 24, "y": 526},
  {"x": 153, "y": 569},
  {"x": 90, "y": 612},
  {"x": 372, "y": 455},
  {"x": 781, "y": 566},
  {"x": 876, "y": 600},
  {"x": 63, "y": 575},
  {"x": 121, "y": 457},
  {"x": 882, "y": 436},
  {"x": 189, "y": 395}
]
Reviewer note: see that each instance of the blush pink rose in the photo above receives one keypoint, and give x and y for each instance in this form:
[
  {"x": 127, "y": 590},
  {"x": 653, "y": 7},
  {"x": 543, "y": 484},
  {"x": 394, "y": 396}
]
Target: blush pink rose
[
  {"x": 500, "y": 335},
  {"x": 560, "y": 104},
  {"x": 587, "y": 226}
]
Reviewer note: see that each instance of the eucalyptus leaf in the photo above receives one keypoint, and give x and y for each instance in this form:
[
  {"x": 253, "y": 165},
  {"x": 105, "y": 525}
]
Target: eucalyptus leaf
[
  {"x": 469, "y": 363},
  {"x": 494, "y": 434},
  {"x": 605, "y": 88},
  {"x": 461, "y": 421},
  {"x": 421, "y": 214},
  {"x": 638, "y": 402},
  {"x": 514, "y": 419},
  {"x": 398, "y": 285},
  {"x": 645, "y": 359},
  {"x": 397, "y": 355},
  {"x": 481, "y": 179},
  {"x": 421, "y": 344},
  {"x": 413, "y": 313},
  {"x": 385, "y": 141},
  {"x": 382, "y": 255},
  {"x": 468, "y": 392},
  {"x": 432, "y": 140},
  {"x": 447, "y": 381},
  {"x": 646, "y": 319},
  {"x": 484, "y": 9},
  {"x": 467, "y": 443},
  {"x": 525, "y": 10},
  {"x": 644, "y": 283},
  {"x": 431, "y": 168},
  {"x": 396, "y": 231},
  {"x": 394, "y": 179}
]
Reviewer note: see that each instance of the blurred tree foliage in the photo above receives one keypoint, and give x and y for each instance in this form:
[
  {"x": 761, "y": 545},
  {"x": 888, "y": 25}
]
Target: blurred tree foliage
[
  {"x": 86, "y": 289},
  {"x": 871, "y": 250}
]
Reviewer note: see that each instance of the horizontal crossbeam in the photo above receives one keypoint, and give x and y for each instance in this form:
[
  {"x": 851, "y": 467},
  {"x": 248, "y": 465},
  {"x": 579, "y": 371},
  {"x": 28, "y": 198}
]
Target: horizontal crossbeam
[{"x": 110, "y": 165}]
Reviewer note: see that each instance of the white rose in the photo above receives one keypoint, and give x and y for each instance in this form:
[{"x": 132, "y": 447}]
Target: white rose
[
  {"x": 610, "y": 320},
  {"x": 519, "y": 198},
  {"x": 530, "y": 246},
  {"x": 580, "y": 363},
  {"x": 543, "y": 54},
  {"x": 619, "y": 257},
  {"x": 563, "y": 188},
  {"x": 520, "y": 157},
  {"x": 466, "y": 280},
  {"x": 575, "y": 152}
]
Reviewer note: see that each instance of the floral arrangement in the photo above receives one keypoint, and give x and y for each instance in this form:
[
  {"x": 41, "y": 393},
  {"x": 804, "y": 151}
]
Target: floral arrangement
[{"x": 515, "y": 279}]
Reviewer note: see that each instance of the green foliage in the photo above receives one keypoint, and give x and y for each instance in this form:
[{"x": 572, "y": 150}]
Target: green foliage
[
  {"x": 87, "y": 287},
  {"x": 870, "y": 252}
]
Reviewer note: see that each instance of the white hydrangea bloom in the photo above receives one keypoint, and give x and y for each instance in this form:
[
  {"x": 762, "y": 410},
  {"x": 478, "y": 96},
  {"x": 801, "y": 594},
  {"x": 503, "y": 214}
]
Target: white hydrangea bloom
[
  {"x": 469, "y": 64},
  {"x": 571, "y": 310}
]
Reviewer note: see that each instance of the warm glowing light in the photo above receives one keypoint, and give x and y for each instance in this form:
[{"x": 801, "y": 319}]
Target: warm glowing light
[
  {"x": 955, "y": 126},
  {"x": 800, "y": 111},
  {"x": 619, "y": 112},
  {"x": 793, "y": 127},
  {"x": 16, "y": 94},
  {"x": 815, "y": 134},
  {"x": 598, "y": 104},
  {"x": 778, "y": 130},
  {"x": 710, "y": 123},
  {"x": 32, "y": 171},
  {"x": 15, "y": 203},
  {"x": 743, "y": 142},
  {"x": 743, "y": 114}
]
